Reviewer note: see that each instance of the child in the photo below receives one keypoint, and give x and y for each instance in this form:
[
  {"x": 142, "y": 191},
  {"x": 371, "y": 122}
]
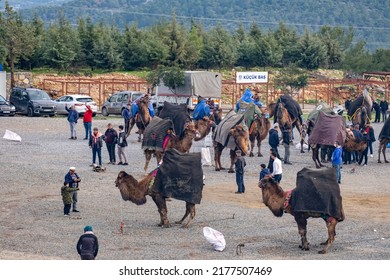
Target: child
[
  {"x": 66, "y": 193},
  {"x": 122, "y": 144},
  {"x": 336, "y": 160},
  {"x": 264, "y": 171},
  {"x": 240, "y": 164}
]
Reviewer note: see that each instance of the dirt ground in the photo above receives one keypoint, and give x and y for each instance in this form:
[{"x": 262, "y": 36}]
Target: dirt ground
[{"x": 33, "y": 227}]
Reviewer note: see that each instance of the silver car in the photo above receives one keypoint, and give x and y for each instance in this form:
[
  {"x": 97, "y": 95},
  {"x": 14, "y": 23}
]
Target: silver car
[{"x": 118, "y": 101}]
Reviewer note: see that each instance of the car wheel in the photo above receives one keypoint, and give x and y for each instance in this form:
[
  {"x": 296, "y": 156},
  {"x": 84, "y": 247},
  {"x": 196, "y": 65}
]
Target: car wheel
[
  {"x": 104, "y": 111},
  {"x": 30, "y": 112},
  {"x": 52, "y": 115}
]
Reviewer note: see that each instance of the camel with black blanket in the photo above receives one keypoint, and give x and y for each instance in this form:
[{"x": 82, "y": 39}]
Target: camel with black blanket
[
  {"x": 180, "y": 176},
  {"x": 317, "y": 195},
  {"x": 359, "y": 111},
  {"x": 384, "y": 140}
]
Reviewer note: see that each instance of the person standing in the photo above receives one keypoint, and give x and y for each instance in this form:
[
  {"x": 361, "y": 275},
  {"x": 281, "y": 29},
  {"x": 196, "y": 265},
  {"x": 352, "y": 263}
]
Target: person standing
[
  {"x": 126, "y": 114},
  {"x": 72, "y": 180},
  {"x": 337, "y": 160},
  {"x": 384, "y": 107},
  {"x": 88, "y": 245},
  {"x": 240, "y": 165},
  {"x": 273, "y": 139},
  {"x": 96, "y": 144},
  {"x": 277, "y": 167},
  {"x": 66, "y": 194},
  {"x": 286, "y": 133},
  {"x": 377, "y": 110},
  {"x": 73, "y": 116},
  {"x": 111, "y": 137},
  {"x": 122, "y": 144},
  {"x": 87, "y": 121}
]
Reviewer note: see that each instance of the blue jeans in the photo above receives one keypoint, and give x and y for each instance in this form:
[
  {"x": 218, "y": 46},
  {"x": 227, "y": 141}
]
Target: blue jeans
[
  {"x": 338, "y": 171},
  {"x": 240, "y": 182},
  {"x": 97, "y": 151},
  {"x": 278, "y": 177},
  {"x": 88, "y": 129}
]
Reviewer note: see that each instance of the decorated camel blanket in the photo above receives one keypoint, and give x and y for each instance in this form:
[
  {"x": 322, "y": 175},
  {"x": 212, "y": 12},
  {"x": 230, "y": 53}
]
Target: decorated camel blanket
[
  {"x": 385, "y": 131},
  {"x": 178, "y": 114},
  {"x": 328, "y": 129},
  {"x": 317, "y": 191},
  {"x": 222, "y": 132},
  {"x": 180, "y": 176},
  {"x": 155, "y": 134}
]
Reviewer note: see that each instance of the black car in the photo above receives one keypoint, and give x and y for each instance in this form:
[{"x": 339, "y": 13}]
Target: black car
[
  {"x": 6, "y": 109},
  {"x": 32, "y": 101}
]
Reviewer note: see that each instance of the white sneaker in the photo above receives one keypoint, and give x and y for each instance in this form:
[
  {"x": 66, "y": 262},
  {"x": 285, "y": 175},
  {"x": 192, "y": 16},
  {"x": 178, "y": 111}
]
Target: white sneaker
[{"x": 371, "y": 155}]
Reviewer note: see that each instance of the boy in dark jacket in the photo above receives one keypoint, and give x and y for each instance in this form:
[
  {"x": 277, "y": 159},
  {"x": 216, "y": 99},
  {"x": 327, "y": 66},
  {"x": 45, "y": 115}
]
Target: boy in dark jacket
[
  {"x": 264, "y": 171},
  {"x": 88, "y": 245}
]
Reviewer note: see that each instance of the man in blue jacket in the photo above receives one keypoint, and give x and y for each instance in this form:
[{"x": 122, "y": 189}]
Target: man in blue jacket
[
  {"x": 337, "y": 160},
  {"x": 201, "y": 110},
  {"x": 273, "y": 139},
  {"x": 73, "y": 116},
  {"x": 72, "y": 181}
]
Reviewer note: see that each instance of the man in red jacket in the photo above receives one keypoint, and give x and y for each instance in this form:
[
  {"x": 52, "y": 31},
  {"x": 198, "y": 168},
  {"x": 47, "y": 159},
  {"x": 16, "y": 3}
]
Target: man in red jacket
[{"x": 87, "y": 120}]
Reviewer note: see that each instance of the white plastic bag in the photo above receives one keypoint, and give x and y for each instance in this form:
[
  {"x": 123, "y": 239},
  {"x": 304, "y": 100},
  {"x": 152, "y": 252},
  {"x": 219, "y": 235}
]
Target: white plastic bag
[
  {"x": 9, "y": 135},
  {"x": 298, "y": 146},
  {"x": 206, "y": 156},
  {"x": 215, "y": 238},
  {"x": 208, "y": 141}
]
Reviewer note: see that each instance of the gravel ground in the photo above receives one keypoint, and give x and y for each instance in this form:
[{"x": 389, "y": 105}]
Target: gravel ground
[{"x": 33, "y": 226}]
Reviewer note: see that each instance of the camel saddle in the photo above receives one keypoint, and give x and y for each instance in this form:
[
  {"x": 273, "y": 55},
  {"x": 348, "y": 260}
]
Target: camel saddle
[
  {"x": 385, "y": 131},
  {"x": 178, "y": 114},
  {"x": 180, "y": 176},
  {"x": 321, "y": 107},
  {"x": 327, "y": 130},
  {"x": 155, "y": 134},
  {"x": 317, "y": 191},
  {"x": 222, "y": 132}
]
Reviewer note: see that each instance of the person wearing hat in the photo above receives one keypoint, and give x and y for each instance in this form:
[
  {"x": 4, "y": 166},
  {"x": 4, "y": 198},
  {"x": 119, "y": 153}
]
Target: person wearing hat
[
  {"x": 240, "y": 164},
  {"x": 88, "y": 245},
  {"x": 72, "y": 181},
  {"x": 273, "y": 138}
]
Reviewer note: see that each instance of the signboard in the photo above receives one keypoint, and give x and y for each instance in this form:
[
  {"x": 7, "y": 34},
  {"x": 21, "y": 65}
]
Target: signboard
[{"x": 251, "y": 77}]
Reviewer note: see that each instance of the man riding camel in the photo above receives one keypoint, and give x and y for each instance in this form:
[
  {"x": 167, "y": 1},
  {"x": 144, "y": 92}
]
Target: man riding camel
[
  {"x": 201, "y": 110},
  {"x": 248, "y": 97},
  {"x": 134, "y": 106}
]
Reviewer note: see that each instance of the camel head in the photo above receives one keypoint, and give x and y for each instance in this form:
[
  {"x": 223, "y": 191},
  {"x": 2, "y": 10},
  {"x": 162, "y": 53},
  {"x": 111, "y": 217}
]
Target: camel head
[
  {"x": 282, "y": 115},
  {"x": 273, "y": 195},
  {"x": 271, "y": 109},
  {"x": 203, "y": 128},
  {"x": 190, "y": 130},
  {"x": 240, "y": 136},
  {"x": 130, "y": 189}
]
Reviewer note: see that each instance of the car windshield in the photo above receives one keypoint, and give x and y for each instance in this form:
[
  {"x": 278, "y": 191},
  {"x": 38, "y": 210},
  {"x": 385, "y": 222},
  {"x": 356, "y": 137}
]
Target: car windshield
[
  {"x": 84, "y": 99},
  {"x": 38, "y": 95},
  {"x": 2, "y": 100},
  {"x": 135, "y": 96}
]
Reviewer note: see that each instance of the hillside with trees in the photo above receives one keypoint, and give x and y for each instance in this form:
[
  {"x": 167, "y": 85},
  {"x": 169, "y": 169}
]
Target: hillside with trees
[{"x": 370, "y": 20}]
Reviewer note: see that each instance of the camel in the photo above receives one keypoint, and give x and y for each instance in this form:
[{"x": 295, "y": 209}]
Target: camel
[
  {"x": 352, "y": 145},
  {"x": 283, "y": 116},
  {"x": 359, "y": 111},
  {"x": 240, "y": 136},
  {"x": 278, "y": 201},
  {"x": 258, "y": 132},
  {"x": 136, "y": 192},
  {"x": 142, "y": 118},
  {"x": 181, "y": 143},
  {"x": 203, "y": 127},
  {"x": 384, "y": 139},
  {"x": 360, "y": 117}
]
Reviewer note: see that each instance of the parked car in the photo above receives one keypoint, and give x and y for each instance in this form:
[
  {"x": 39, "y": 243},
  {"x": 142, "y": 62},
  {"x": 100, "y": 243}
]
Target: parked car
[
  {"x": 32, "y": 101},
  {"x": 118, "y": 101},
  {"x": 6, "y": 109},
  {"x": 78, "y": 100}
]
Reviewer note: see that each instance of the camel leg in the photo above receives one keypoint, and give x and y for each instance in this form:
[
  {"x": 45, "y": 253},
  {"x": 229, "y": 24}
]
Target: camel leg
[
  {"x": 190, "y": 210},
  {"x": 315, "y": 157},
  {"x": 148, "y": 156},
  {"x": 302, "y": 224},
  {"x": 252, "y": 147},
  {"x": 331, "y": 225},
  {"x": 379, "y": 151},
  {"x": 132, "y": 123},
  {"x": 141, "y": 131},
  {"x": 259, "y": 154},
  {"x": 217, "y": 159},
  {"x": 162, "y": 210}
]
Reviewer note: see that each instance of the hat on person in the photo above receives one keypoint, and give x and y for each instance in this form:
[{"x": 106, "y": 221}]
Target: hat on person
[
  {"x": 276, "y": 125},
  {"x": 87, "y": 228},
  {"x": 72, "y": 168}
]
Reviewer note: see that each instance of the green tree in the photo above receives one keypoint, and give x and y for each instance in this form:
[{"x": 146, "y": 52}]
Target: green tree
[
  {"x": 287, "y": 39},
  {"x": 193, "y": 47},
  {"x": 87, "y": 36},
  {"x": 381, "y": 60},
  {"x": 106, "y": 49},
  {"x": 357, "y": 58},
  {"x": 291, "y": 80},
  {"x": 176, "y": 44},
  {"x": 312, "y": 52},
  {"x": 17, "y": 38},
  {"x": 61, "y": 44}
]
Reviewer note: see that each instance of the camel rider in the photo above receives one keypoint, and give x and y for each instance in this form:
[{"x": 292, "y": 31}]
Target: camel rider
[
  {"x": 257, "y": 101},
  {"x": 134, "y": 106},
  {"x": 201, "y": 110}
]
